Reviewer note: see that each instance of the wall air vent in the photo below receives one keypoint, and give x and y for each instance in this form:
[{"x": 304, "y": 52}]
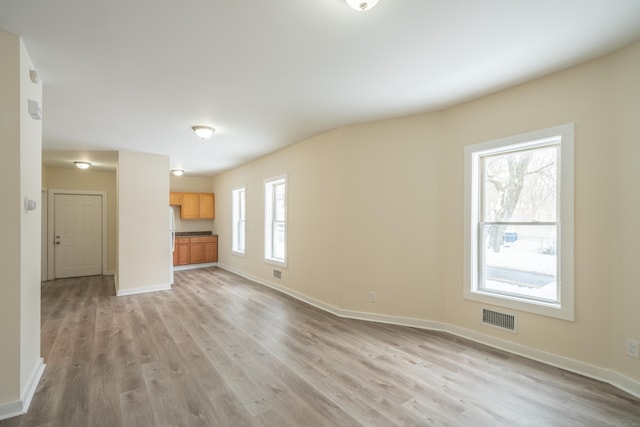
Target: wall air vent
[{"x": 499, "y": 320}]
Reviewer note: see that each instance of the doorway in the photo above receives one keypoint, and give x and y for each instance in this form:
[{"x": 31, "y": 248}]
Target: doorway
[{"x": 77, "y": 234}]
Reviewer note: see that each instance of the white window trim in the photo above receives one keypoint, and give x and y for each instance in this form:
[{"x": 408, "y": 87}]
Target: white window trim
[
  {"x": 234, "y": 231},
  {"x": 565, "y": 309},
  {"x": 268, "y": 218}
]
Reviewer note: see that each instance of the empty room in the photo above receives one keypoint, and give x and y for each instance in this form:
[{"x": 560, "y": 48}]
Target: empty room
[{"x": 320, "y": 213}]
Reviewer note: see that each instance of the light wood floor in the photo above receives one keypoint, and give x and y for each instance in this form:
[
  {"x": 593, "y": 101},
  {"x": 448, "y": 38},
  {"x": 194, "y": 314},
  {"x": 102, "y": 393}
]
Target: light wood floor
[{"x": 218, "y": 350}]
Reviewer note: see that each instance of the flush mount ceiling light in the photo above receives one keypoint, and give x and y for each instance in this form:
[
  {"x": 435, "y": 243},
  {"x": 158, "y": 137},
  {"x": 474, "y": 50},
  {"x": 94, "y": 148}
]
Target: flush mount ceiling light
[
  {"x": 204, "y": 132},
  {"x": 361, "y": 5},
  {"x": 82, "y": 165},
  {"x": 177, "y": 172}
]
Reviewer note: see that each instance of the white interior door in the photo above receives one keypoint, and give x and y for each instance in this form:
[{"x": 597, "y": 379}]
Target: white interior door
[{"x": 77, "y": 235}]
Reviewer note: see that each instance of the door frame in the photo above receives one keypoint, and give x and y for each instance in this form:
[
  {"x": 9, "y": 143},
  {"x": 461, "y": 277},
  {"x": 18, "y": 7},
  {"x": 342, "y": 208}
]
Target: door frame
[{"x": 51, "y": 221}]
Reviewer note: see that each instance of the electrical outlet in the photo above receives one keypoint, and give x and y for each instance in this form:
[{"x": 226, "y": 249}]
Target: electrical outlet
[
  {"x": 633, "y": 348},
  {"x": 372, "y": 296}
]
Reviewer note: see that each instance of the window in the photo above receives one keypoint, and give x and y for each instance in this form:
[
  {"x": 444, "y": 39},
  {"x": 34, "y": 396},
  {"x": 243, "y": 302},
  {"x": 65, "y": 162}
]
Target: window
[
  {"x": 275, "y": 203},
  {"x": 519, "y": 222},
  {"x": 238, "y": 212}
]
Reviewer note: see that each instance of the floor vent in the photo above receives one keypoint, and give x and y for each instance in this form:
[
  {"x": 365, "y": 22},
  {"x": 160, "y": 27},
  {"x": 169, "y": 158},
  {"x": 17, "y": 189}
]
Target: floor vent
[{"x": 499, "y": 320}]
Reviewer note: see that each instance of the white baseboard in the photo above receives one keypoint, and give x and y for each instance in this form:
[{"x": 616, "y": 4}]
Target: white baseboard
[
  {"x": 194, "y": 266},
  {"x": 134, "y": 291},
  {"x": 625, "y": 383},
  {"x": 614, "y": 378},
  {"x": 20, "y": 407}
]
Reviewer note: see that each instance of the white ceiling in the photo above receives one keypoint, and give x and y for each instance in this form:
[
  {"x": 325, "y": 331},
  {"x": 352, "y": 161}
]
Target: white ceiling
[{"x": 137, "y": 74}]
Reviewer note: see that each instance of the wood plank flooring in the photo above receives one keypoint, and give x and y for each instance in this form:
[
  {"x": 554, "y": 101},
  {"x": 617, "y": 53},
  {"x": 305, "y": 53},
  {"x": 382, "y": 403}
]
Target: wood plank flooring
[{"x": 219, "y": 350}]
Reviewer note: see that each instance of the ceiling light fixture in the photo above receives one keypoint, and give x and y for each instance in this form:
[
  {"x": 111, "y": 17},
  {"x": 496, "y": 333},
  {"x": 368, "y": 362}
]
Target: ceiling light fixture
[
  {"x": 177, "y": 172},
  {"x": 362, "y": 5},
  {"x": 204, "y": 132},
  {"x": 82, "y": 165}
]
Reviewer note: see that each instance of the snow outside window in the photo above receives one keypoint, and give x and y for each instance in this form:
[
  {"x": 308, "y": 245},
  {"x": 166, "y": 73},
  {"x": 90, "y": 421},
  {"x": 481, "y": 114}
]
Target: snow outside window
[{"x": 519, "y": 222}]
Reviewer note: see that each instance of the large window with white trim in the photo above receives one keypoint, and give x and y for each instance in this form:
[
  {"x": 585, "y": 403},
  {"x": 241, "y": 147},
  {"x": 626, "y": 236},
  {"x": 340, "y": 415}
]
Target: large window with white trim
[
  {"x": 275, "y": 240},
  {"x": 238, "y": 214},
  {"x": 519, "y": 222}
]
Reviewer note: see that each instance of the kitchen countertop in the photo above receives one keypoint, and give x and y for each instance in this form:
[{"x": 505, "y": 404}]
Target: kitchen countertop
[{"x": 194, "y": 233}]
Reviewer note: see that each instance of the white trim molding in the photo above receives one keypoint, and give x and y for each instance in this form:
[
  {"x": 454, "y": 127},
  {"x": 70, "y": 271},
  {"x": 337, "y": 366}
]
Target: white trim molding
[
  {"x": 270, "y": 210},
  {"x": 194, "y": 266},
  {"x": 144, "y": 290},
  {"x": 562, "y": 305},
  {"x": 20, "y": 407},
  {"x": 624, "y": 383},
  {"x": 614, "y": 378}
]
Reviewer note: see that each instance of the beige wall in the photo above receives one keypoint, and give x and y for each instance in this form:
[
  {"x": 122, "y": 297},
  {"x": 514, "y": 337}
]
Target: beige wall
[
  {"x": 10, "y": 218},
  {"x": 143, "y": 222},
  {"x": 89, "y": 180},
  {"x": 379, "y": 206},
  {"x": 625, "y": 210},
  {"x": 191, "y": 184},
  {"x": 20, "y": 177},
  {"x": 363, "y": 213}
]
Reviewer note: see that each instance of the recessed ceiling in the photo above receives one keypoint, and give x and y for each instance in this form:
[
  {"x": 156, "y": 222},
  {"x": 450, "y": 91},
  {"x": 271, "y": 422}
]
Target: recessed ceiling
[{"x": 136, "y": 75}]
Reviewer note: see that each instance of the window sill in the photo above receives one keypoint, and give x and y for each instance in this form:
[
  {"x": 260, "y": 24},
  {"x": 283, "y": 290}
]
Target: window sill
[
  {"x": 515, "y": 303},
  {"x": 275, "y": 262}
]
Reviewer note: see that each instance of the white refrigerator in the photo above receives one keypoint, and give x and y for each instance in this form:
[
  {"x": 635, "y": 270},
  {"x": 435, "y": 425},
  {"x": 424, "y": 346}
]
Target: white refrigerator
[{"x": 172, "y": 242}]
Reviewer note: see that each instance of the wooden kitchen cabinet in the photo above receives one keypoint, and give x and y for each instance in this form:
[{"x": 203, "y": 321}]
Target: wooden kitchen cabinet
[
  {"x": 197, "y": 253},
  {"x": 175, "y": 199},
  {"x": 211, "y": 251},
  {"x": 182, "y": 254},
  {"x": 207, "y": 205},
  {"x": 197, "y": 206},
  {"x": 190, "y": 207},
  {"x": 204, "y": 249},
  {"x": 207, "y": 248},
  {"x": 195, "y": 250}
]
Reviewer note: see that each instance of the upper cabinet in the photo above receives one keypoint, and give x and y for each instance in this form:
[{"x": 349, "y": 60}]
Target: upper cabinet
[
  {"x": 190, "y": 206},
  {"x": 207, "y": 205},
  {"x": 194, "y": 205},
  {"x": 175, "y": 199}
]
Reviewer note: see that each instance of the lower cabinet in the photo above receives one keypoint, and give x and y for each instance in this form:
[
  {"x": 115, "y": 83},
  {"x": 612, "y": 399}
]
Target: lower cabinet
[
  {"x": 211, "y": 251},
  {"x": 195, "y": 250},
  {"x": 181, "y": 253}
]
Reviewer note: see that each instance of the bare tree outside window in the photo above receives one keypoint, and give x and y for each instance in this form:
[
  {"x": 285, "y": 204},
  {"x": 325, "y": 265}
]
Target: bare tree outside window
[
  {"x": 520, "y": 187},
  {"x": 519, "y": 221}
]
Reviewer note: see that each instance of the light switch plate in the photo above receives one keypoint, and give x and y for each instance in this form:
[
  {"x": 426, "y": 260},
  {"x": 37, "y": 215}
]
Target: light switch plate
[{"x": 34, "y": 110}]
